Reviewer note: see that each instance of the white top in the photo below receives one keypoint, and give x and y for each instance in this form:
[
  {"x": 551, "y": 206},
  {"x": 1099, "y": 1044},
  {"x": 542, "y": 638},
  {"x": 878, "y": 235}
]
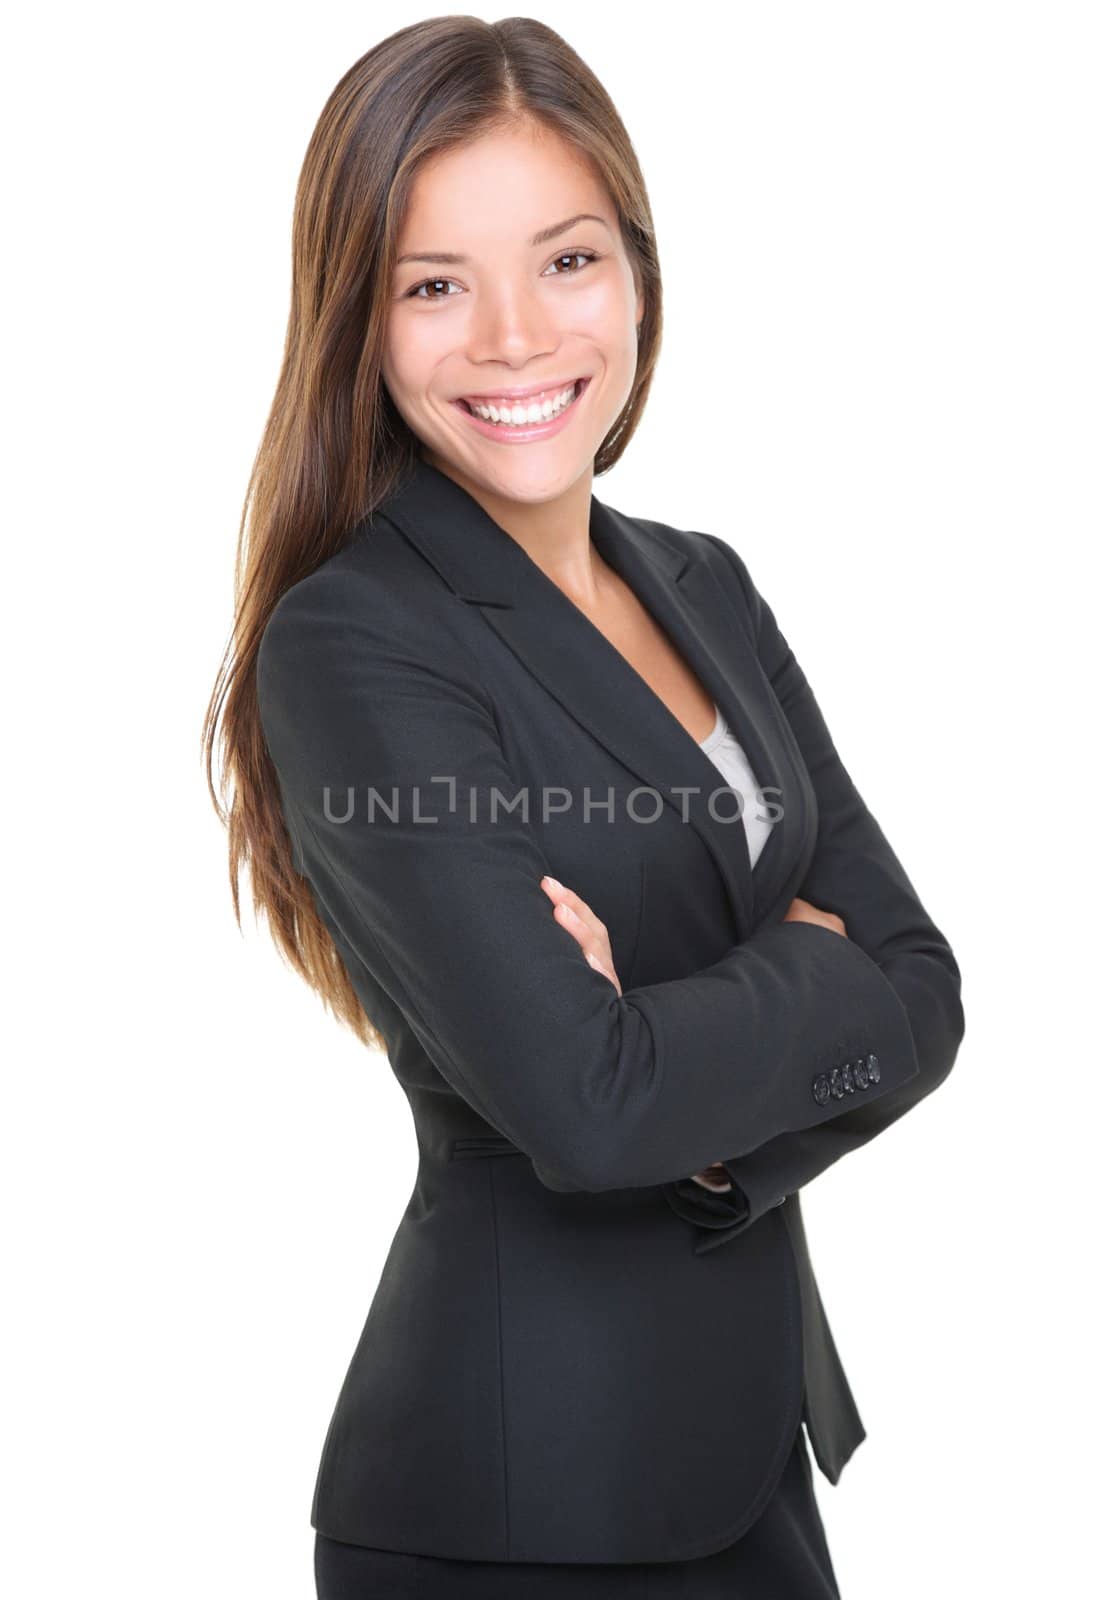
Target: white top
[{"x": 729, "y": 757}]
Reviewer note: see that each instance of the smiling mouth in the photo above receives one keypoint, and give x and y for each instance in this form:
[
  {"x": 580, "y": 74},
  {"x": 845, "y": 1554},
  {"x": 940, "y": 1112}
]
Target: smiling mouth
[{"x": 540, "y": 409}]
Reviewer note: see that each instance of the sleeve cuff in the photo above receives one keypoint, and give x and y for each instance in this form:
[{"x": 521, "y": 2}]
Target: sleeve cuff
[{"x": 717, "y": 1217}]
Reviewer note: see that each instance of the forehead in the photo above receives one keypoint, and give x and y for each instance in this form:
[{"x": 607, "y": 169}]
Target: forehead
[{"x": 500, "y": 188}]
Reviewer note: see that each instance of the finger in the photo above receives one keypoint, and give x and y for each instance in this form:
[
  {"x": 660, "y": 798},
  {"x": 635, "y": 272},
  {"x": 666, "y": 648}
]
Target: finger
[
  {"x": 597, "y": 966},
  {"x": 591, "y": 943},
  {"x": 588, "y": 931},
  {"x": 567, "y": 897},
  {"x": 709, "y": 1179},
  {"x": 588, "y": 937}
]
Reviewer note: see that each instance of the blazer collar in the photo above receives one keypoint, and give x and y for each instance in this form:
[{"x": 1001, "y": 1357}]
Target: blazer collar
[{"x": 487, "y": 568}]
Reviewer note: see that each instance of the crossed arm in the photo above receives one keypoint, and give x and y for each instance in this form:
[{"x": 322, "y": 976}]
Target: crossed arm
[
  {"x": 855, "y": 874},
  {"x": 602, "y": 1090},
  {"x": 579, "y": 919}
]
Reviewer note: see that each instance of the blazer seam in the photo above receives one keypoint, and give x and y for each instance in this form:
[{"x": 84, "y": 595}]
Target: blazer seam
[
  {"x": 462, "y": 666},
  {"x": 470, "y": 658},
  {"x": 639, "y": 920},
  {"x": 475, "y": 679},
  {"x": 500, "y": 1368},
  {"x": 726, "y": 553}
]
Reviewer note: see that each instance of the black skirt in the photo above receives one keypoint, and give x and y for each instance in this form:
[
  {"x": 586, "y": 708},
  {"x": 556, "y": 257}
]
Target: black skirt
[{"x": 783, "y": 1555}]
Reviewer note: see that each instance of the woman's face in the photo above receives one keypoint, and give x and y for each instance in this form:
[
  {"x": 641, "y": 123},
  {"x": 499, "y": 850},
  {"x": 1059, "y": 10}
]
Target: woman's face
[{"x": 502, "y": 297}]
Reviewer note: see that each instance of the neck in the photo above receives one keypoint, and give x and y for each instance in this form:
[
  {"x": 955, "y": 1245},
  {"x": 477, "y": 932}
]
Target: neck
[{"x": 554, "y": 532}]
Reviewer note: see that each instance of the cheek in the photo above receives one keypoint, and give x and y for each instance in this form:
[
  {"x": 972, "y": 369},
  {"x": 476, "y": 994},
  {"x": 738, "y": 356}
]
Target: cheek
[
  {"x": 605, "y": 319},
  {"x": 415, "y": 346},
  {"x": 604, "y": 311}
]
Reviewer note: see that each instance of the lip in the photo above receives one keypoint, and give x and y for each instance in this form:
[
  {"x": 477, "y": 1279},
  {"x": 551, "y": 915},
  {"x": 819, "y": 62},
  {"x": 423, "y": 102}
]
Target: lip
[{"x": 530, "y": 431}]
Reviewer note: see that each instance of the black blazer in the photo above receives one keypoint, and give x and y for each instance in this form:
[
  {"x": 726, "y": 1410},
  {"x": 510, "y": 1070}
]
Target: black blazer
[{"x": 559, "y": 1363}]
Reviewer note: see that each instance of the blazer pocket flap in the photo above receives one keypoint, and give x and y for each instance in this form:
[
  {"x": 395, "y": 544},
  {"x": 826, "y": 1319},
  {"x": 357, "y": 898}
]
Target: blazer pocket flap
[{"x": 483, "y": 1144}]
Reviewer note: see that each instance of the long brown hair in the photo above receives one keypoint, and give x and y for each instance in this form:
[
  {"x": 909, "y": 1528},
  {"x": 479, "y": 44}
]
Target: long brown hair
[{"x": 334, "y": 445}]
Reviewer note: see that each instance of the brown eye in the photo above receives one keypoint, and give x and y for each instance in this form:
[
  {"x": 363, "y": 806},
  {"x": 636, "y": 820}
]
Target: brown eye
[
  {"x": 576, "y": 258},
  {"x": 431, "y": 283}
]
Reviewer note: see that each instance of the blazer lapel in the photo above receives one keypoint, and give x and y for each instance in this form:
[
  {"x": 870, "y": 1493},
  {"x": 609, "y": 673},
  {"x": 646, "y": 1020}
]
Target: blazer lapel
[{"x": 597, "y": 686}]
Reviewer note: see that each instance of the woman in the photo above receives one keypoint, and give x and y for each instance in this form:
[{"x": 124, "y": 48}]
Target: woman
[{"x": 468, "y": 703}]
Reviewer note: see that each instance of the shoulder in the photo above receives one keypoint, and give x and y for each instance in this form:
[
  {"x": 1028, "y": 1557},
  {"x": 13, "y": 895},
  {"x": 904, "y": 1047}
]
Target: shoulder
[
  {"x": 374, "y": 600},
  {"x": 375, "y": 583},
  {"x": 717, "y": 556}
]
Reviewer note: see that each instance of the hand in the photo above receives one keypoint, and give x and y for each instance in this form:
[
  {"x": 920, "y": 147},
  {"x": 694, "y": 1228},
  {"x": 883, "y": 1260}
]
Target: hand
[
  {"x": 714, "y": 1177},
  {"x": 803, "y": 911},
  {"x": 578, "y": 918}
]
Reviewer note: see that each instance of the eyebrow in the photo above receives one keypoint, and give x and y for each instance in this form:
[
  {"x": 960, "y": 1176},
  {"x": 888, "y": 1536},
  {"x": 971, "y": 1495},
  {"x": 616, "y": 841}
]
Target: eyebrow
[{"x": 450, "y": 258}]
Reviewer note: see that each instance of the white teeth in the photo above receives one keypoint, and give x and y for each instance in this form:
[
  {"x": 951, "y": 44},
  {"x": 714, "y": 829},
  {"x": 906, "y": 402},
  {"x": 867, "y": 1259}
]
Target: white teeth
[{"x": 518, "y": 416}]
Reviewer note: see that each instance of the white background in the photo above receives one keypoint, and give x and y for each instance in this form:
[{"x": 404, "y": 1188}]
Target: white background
[{"x": 878, "y": 230}]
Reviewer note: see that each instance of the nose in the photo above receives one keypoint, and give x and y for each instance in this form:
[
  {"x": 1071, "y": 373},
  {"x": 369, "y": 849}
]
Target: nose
[{"x": 511, "y": 323}]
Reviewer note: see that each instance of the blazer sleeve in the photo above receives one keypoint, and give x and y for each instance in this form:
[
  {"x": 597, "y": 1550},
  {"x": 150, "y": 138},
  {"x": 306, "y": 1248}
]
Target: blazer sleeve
[
  {"x": 409, "y": 826},
  {"x": 856, "y": 874}
]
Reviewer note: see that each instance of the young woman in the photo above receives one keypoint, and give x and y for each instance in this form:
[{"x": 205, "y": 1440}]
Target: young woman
[{"x": 537, "y": 798}]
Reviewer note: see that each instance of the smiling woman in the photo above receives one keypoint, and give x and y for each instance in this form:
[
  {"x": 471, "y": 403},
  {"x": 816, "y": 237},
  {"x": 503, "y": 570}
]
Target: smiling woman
[
  {"x": 540, "y": 289},
  {"x": 630, "y": 1026}
]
